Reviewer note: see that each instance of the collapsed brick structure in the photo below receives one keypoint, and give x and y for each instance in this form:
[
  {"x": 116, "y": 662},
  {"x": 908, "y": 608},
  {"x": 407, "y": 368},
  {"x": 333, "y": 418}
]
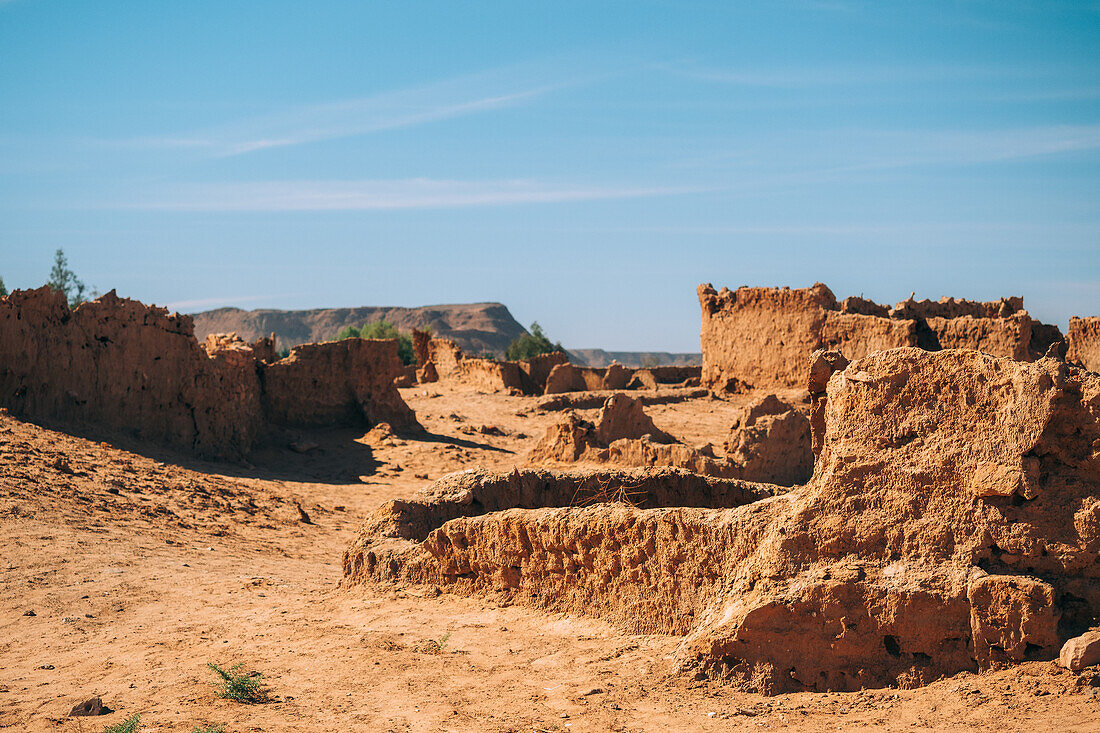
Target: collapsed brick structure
[
  {"x": 761, "y": 337},
  {"x": 769, "y": 441},
  {"x": 952, "y": 523},
  {"x": 566, "y": 377},
  {"x": 117, "y": 363},
  {"x": 443, "y": 359}
]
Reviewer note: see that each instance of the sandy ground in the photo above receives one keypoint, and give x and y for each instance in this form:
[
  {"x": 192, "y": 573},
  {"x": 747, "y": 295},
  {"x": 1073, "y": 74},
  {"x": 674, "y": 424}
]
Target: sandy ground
[{"x": 125, "y": 569}]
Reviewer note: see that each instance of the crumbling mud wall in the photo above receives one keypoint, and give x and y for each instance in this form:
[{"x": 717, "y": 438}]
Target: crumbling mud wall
[
  {"x": 1083, "y": 342},
  {"x": 346, "y": 382},
  {"x": 952, "y": 523},
  {"x": 567, "y": 377},
  {"x": 761, "y": 337},
  {"x": 444, "y": 360},
  {"x": 119, "y": 364},
  {"x": 769, "y": 441}
]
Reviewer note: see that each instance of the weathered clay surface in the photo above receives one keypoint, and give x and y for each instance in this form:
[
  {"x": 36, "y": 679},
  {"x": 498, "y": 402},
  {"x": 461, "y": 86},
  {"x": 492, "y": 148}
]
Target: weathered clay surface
[
  {"x": 1083, "y": 341},
  {"x": 119, "y": 364},
  {"x": 590, "y": 400},
  {"x": 1081, "y": 651},
  {"x": 771, "y": 442},
  {"x": 761, "y": 337},
  {"x": 571, "y": 437},
  {"x": 345, "y": 382},
  {"x": 952, "y": 523}
]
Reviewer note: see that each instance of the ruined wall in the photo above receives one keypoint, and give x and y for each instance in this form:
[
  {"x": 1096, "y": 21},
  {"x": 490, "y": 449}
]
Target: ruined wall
[
  {"x": 537, "y": 370},
  {"x": 1083, "y": 342},
  {"x": 491, "y": 375},
  {"x": 345, "y": 382},
  {"x": 761, "y": 337},
  {"x": 119, "y": 364},
  {"x": 951, "y": 524}
]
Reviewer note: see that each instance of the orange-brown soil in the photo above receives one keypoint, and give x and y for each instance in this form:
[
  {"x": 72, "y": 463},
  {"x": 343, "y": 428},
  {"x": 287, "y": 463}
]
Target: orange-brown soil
[{"x": 140, "y": 566}]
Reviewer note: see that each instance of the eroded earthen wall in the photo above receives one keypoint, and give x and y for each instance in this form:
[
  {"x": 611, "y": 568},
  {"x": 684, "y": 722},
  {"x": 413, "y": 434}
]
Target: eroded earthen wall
[
  {"x": 762, "y": 337},
  {"x": 1083, "y": 342},
  {"x": 120, "y": 364}
]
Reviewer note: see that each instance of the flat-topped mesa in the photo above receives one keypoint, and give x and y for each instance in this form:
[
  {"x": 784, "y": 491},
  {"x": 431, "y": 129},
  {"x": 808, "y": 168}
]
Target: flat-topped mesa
[
  {"x": 952, "y": 523},
  {"x": 756, "y": 337},
  {"x": 122, "y": 365}
]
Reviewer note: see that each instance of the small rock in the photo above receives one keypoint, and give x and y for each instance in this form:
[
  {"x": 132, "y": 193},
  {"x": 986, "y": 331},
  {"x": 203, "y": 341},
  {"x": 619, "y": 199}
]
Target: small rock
[
  {"x": 30, "y": 613},
  {"x": 614, "y": 706},
  {"x": 303, "y": 446},
  {"x": 1081, "y": 651},
  {"x": 91, "y": 706},
  {"x": 593, "y": 691},
  {"x": 302, "y": 516}
]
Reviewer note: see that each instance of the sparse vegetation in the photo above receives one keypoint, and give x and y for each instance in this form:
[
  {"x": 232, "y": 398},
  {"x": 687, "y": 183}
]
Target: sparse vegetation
[
  {"x": 245, "y": 688},
  {"x": 433, "y": 646},
  {"x": 130, "y": 725},
  {"x": 209, "y": 729},
  {"x": 382, "y": 330},
  {"x": 531, "y": 344},
  {"x": 64, "y": 280},
  {"x": 3, "y": 288}
]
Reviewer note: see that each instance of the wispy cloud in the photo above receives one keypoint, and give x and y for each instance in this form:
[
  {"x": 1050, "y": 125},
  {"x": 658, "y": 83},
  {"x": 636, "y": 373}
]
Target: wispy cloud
[
  {"x": 797, "y": 77},
  {"x": 390, "y": 110},
  {"x": 186, "y": 305},
  {"x": 816, "y": 156},
  {"x": 415, "y": 193}
]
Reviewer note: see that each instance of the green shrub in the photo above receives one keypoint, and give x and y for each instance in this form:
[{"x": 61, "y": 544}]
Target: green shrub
[
  {"x": 130, "y": 725},
  {"x": 246, "y": 688},
  {"x": 209, "y": 729},
  {"x": 3, "y": 289},
  {"x": 382, "y": 330},
  {"x": 531, "y": 344}
]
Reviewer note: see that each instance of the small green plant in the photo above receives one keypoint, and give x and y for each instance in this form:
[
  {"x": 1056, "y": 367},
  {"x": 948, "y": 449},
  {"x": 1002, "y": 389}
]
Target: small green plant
[
  {"x": 531, "y": 344},
  {"x": 382, "y": 330},
  {"x": 433, "y": 646},
  {"x": 130, "y": 725},
  {"x": 246, "y": 688},
  {"x": 209, "y": 729}
]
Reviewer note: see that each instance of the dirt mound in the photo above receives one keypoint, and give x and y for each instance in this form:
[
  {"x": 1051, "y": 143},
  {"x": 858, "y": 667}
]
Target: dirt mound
[
  {"x": 761, "y": 337},
  {"x": 476, "y": 327},
  {"x": 951, "y": 523},
  {"x": 769, "y": 442},
  {"x": 571, "y": 438},
  {"x": 571, "y": 378},
  {"x": 119, "y": 364}
]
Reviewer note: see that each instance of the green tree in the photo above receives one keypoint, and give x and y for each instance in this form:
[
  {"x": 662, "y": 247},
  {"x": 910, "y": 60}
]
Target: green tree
[
  {"x": 382, "y": 330},
  {"x": 3, "y": 289},
  {"x": 531, "y": 344},
  {"x": 64, "y": 280}
]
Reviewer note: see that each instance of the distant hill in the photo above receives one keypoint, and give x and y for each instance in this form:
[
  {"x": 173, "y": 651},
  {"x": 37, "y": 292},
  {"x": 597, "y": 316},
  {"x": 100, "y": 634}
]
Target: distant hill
[
  {"x": 601, "y": 358},
  {"x": 475, "y": 327}
]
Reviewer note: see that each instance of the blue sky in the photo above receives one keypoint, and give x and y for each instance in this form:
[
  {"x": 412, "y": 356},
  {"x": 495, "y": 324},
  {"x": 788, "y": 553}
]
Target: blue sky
[{"x": 585, "y": 163}]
